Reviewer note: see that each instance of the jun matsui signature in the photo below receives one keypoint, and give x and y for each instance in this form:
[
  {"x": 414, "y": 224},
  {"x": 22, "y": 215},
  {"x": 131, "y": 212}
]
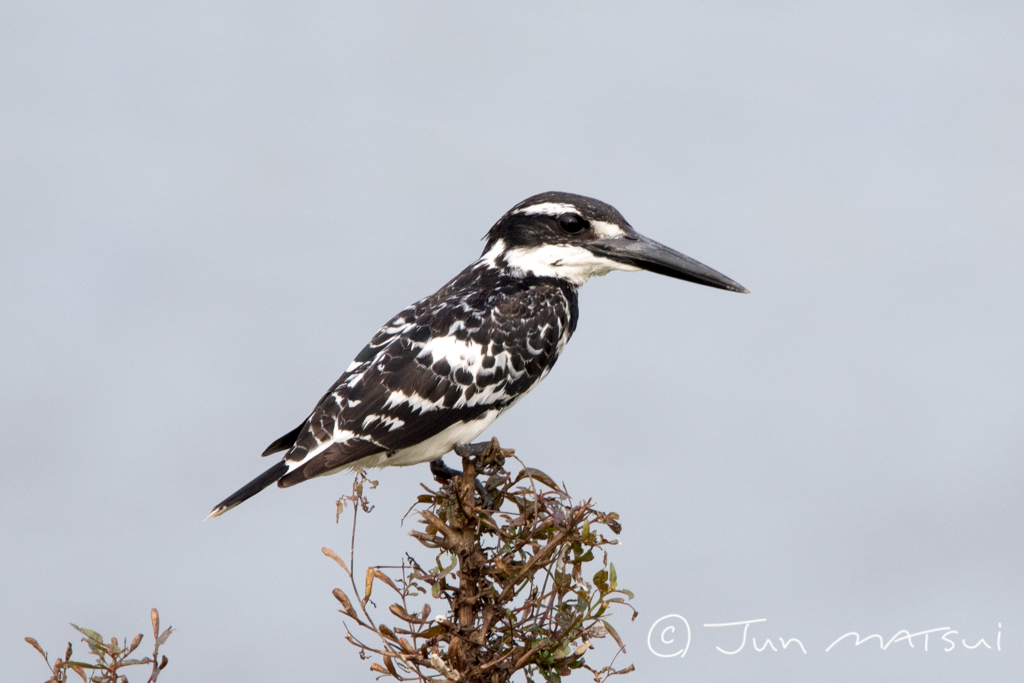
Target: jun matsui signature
[{"x": 670, "y": 636}]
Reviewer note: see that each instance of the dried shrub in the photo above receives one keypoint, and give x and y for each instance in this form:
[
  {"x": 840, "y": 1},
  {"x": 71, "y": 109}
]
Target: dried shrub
[
  {"x": 513, "y": 571},
  {"x": 110, "y": 657}
]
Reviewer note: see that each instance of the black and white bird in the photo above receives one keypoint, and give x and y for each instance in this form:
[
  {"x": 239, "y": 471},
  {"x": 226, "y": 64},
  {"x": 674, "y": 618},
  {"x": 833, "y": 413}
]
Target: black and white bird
[{"x": 442, "y": 370}]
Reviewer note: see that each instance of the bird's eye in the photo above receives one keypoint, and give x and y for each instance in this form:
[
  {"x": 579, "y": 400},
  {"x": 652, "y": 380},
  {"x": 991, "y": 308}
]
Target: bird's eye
[{"x": 571, "y": 223}]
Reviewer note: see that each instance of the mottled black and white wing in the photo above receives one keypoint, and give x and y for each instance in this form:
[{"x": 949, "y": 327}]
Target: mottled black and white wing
[
  {"x": 437, "y": 374},
  {"x": 445, "y": 367}
]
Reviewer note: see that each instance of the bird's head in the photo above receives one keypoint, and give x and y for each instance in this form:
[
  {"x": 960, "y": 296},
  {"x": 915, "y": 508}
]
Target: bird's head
[{"x": 573, "y": 238}]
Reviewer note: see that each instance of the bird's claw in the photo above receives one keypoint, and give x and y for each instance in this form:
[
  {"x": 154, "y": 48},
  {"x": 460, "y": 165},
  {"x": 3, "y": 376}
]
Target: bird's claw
[
  {"x": 444, "y": 474},
  {"x": 489, "y": 455}
]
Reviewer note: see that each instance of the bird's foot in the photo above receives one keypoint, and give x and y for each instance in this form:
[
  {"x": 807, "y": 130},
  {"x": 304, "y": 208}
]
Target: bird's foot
[
  {"x": 444, "y": 474},
  {"x": 486, "y": 499},
  {"x": 473, "y": 450},
  {"x": 489, "y": 455}
]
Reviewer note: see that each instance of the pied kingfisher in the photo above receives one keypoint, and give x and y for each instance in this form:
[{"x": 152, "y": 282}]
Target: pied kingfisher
[{"x": 442, "y": 370}]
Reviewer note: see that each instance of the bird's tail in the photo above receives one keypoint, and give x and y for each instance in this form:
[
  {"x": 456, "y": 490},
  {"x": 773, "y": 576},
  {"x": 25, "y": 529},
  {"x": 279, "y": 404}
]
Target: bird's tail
[{"x": 251, "y": 489}]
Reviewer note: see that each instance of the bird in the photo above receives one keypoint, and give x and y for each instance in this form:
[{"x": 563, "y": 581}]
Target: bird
[{"x": 442, "y": 370}]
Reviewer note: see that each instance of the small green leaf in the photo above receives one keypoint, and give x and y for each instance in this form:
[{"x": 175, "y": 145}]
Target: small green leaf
[
  {"x": 447, "y": 570},
  {"x": 612, "y": 579},
  {"x": 91, "y": 635},
  {"x": 81, "y": 673},
  {"x": 550, "y": 676},
  {"x": 601, "y": 580},
  {"x": 433, "y": 631},
  {"x": 614, "y": 634},
  {"x": 81, "y": 665}
]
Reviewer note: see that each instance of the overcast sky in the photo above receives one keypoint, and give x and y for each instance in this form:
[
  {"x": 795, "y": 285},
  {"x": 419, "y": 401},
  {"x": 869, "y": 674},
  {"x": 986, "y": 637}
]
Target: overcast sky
[{"x": 207, "y": 208}]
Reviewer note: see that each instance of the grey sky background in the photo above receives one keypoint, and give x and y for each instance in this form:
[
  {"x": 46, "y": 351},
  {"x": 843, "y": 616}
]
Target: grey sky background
[{"x": 207, "y": 208}]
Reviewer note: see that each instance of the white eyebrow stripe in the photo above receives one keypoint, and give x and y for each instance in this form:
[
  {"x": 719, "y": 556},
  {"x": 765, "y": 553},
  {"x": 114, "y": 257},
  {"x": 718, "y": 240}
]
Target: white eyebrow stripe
[
  {"x": 548, "y": 209},
  {"x": 602, "y": 228},
  {"x": 605, "y": 229}
]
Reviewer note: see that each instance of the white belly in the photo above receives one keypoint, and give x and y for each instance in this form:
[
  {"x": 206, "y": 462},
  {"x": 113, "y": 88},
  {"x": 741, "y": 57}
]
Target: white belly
[
  {"x": 439, "y": 444},
  {"x": 426, "y": 450}
]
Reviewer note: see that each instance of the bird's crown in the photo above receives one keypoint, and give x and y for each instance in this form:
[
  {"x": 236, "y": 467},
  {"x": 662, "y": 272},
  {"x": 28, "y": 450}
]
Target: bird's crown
[{"x": 556, "y": 218}]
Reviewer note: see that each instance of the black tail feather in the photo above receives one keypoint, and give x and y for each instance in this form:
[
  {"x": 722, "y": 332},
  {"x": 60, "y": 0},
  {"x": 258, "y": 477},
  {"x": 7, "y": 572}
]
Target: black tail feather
[
  {"x": 285, "y": 442},
  {"x": 251, "y": 489}
]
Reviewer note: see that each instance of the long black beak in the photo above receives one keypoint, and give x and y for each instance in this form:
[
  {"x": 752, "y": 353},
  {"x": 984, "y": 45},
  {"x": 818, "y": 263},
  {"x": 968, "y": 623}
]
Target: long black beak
[{"x": 639, "y": 251}]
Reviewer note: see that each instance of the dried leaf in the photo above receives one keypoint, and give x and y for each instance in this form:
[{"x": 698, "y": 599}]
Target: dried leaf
[
  {"x": 135, "y": 643},
  {"x": 334, "y": 556},
  {"x": 533, "y": 473},
  {"x": 345, "y": 602},
  {"x": 386, "y": 579},
  {"x": 390, "y": 665},
  {"x": 35, "y": 644},
  {"x": 154, "y": 617},
  {"x": 377, "y": 668},
  {"x": 163, "y": 663},
  {"x": 368, "y": 587}
]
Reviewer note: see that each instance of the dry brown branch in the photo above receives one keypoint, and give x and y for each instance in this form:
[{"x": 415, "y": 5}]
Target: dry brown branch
[{"x": 509, "y": 572}]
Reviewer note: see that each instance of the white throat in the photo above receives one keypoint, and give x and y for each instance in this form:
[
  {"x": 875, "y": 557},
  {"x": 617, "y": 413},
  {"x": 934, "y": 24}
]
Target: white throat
[{"x": 566, "y": 262}]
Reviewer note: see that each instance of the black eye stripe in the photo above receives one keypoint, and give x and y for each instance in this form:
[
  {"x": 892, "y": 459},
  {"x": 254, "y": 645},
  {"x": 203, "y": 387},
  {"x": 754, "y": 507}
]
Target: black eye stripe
[{"x": 571, "y": 223}]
